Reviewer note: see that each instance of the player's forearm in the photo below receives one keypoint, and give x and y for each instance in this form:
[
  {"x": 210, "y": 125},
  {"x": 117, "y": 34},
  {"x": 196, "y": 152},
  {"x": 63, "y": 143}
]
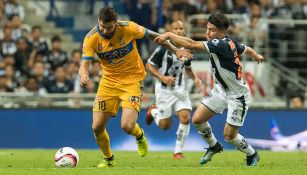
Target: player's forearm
[
  {"x": 190, "y": 73},
  {"x": 251, "y": 52},
  {"x": 182, "y": 41},
  {"x": 152, "y": 35},
  {"x": 84, "y": 66},
  {"x": 153, "y": 71}
]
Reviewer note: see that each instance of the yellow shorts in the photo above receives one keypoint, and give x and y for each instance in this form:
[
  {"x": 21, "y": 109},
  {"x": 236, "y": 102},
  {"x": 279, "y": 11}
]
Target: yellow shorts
[{"x": 110, "y": 95}]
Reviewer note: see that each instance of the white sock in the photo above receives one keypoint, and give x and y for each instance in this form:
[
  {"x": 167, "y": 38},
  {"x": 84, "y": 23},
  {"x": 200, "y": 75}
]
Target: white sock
[
  {"x": 182, "y": 134},
  {"x": 242, "y": 145},
  {"x": 155, "y": 113},
  {"x": 206, "y": 133}
]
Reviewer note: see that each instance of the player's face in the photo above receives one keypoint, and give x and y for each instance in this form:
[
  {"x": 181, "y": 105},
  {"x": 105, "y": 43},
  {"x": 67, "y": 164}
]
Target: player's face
[
  {"x": 107, "y": 29},
  {"x": 212, "y": 31},
  {"x": 178, "y": 28}
]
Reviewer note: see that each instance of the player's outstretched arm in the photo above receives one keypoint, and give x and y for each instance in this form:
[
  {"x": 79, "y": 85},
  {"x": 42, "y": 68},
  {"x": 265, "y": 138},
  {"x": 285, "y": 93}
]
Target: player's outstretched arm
[
  {"x": 181, "y": 41},
  {"x": 169, "y": 80},
  {"x": 83, "y": 72},
  {"x": 181, "y": 54},
  {"x": 253, "y": 54}
]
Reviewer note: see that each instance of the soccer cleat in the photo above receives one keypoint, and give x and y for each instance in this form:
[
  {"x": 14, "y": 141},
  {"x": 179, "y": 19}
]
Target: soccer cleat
[
  {"x": 142, "y": 145},
  {"x": 178, "y": 156},
  {"x": 107, "y": 162},
  {"x": 210, "y": 153},
  {"x": 253, "y": 159},
  {"x": 149, "y": 117}
]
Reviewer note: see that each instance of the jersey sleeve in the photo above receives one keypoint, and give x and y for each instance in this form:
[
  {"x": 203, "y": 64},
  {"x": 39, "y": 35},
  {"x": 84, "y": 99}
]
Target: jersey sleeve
[
  {"x": 137, "y": 31},
  {"x": 240, "y": 47},
  {"x": 214, "y": 46},
  {"x": 156, "y": 57},
  {"x": 88, "y": 48}
]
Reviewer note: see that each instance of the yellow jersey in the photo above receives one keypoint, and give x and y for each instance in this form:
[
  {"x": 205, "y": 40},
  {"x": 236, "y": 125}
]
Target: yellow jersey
[{"x": 118, "y": 56}]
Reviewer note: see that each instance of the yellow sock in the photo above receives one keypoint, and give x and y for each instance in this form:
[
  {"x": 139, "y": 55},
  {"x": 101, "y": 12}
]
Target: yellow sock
[
  {"x": 103, "y": 142},
  {"x": 137, "y": 131}
]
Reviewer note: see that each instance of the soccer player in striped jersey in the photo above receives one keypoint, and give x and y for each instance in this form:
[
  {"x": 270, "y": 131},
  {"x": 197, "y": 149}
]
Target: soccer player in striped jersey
[
  {"x": 230, "y": 91},
  {"x": 170, "y": 91},
  {"x": 114, "y": 42}
]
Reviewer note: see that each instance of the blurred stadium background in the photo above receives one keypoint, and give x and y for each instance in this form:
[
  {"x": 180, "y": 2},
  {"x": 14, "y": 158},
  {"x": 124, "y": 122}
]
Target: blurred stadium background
[{"x": 43, "y": 106}]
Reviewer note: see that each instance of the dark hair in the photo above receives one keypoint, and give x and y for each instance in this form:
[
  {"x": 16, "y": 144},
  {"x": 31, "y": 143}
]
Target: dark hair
[
  {"x": 36, "y": 27},
  {"x": 219, "y": 20},
  {"x": 107, "y": 14},
  {"x": 56, "y": 38}
]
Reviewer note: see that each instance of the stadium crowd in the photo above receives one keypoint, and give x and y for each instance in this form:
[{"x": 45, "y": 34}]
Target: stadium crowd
[{"x": 31, "y": 63}]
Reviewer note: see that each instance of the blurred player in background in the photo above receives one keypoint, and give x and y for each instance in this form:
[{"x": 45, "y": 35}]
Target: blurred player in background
[
  {"x": 230, "y": 91},
  {"x": 123, "y": 71},
  {"x": 170, "y": 90}
]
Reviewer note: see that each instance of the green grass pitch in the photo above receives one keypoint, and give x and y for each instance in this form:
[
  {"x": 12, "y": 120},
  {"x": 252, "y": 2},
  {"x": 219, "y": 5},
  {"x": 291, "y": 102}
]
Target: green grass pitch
[{"x": 41, "y": 161}]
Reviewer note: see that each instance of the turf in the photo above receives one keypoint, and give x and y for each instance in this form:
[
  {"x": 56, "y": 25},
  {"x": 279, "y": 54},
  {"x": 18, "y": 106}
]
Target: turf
[{"x": 41, "y": 161}]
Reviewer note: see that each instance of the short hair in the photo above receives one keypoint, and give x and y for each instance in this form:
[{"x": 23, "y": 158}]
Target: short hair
[
  {"x": 219, "y": 20},
  {"x": 36, "y": 27},
  {"x": 56, "y": 38},
  {"x": 107, "y": 14}
]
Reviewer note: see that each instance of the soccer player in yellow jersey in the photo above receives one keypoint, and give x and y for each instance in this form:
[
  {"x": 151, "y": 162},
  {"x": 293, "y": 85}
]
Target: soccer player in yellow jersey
[{"x": 114, "y": 42}]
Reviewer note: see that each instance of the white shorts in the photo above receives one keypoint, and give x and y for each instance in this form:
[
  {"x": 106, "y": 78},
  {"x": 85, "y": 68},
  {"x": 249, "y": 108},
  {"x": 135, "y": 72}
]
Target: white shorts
[
  {"x": 166, "y": 99},
  {"x": 217, "y": 101}
]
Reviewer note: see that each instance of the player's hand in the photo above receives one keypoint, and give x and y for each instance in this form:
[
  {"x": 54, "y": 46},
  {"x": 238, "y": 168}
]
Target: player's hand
[
  {"x": 84, "y": 79},
  {"x": 161, "y": 39},
  {"x": 169, "y": 80},
  {"x": 183, "y": 54},
  {"x": 197, "y": 82},
  {"x": 259, "y": 58}
]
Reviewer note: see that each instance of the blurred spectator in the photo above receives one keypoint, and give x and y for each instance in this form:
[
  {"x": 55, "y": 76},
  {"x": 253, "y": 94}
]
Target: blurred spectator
[
  {"x": 10, "y": 77},
  {"x": 3, "y": 82},
  {"x": 95, "y": 73},
  {"x": 53, "y": 10},
  {"x": 12, "y": 7},
  {"x": 19, "y": 29},
  {"x": 2, "y": 18},
  {"x": 72, "y": 75},
  {"x": 280, "y": 34},
  {"x": 22, "y": 56},
  {"x": 297, "y": 102},
  {"x": 184, "y": 6},
  {"x": 9, "y": 60},
  {"x": 37, "y": 42},
  {"x": 56, "y": 57},
  {"x": 76, "y": 56},
  {"x": 240, "y": 7},
  {"x": 8, "y": 46},
  {"x": 267, "y": 8},
  {"x": 31, "y": 85},
  {"x": 38, "y": 70},
  {"x": 59, "y": 84},
  {"x": 144, "y": 13}
]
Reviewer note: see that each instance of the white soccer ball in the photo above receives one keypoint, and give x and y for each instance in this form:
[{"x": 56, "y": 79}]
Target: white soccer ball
[{"x": 66, "y": 157}]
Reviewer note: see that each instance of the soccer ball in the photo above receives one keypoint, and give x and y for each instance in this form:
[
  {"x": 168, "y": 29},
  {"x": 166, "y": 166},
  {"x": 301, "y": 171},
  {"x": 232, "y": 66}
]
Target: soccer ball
[{"x": 66, "y": 157}]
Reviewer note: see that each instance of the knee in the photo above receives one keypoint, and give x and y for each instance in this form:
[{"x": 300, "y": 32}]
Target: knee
[
  {"x": 97, "y": 129},
  {"x": 185, "y": 119},
  {"x": 128, "y": 128},
  {"x": 228, "y": 137}
]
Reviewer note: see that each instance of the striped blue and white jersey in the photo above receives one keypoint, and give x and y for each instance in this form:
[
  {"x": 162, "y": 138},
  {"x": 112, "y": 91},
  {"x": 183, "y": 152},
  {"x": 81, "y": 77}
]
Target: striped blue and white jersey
[
  {"x": 168, "y": 65},
  {"x": 225, "y": 64}
]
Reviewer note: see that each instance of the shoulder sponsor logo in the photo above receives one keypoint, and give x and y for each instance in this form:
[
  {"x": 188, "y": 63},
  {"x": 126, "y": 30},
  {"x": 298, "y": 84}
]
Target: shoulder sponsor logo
[{"x": 215, "y": 42}]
